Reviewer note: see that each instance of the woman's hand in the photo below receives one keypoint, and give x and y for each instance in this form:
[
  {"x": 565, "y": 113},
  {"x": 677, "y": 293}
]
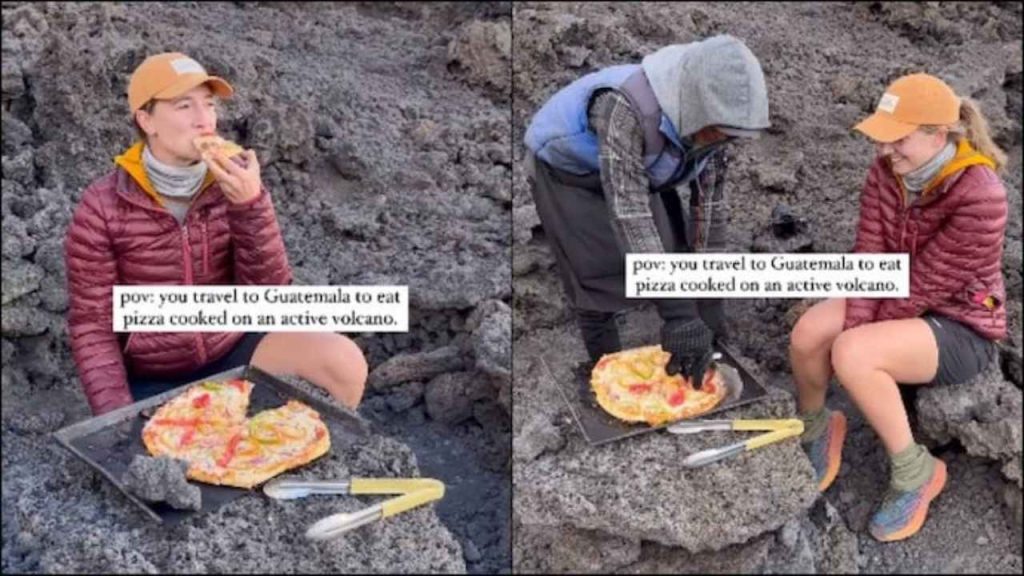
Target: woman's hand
[{"x": 240, "y": 185}]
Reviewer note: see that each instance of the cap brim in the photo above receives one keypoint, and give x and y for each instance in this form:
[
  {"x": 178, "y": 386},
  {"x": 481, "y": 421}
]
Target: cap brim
[
  {"x": 881, "y": 127},
  {"x": 189, "y": 81}
]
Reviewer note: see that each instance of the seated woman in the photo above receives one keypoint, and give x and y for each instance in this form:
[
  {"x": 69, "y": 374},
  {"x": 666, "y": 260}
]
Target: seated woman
[
  {"x": 169, "y": 215},
  {"x": 931, "y": 192}
]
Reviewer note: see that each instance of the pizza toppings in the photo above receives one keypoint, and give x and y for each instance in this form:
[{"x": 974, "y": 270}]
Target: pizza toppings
[
  {"x": 202, "y": 401},
  {"x": 230, "y": 452},
  {"x": 632, "y": 385},
  {"x": 187, "y": 437},
  {"x": 677, "y": 398},
  {"x": 212, "y": 142},
  {"x": 207, "y": 427}
]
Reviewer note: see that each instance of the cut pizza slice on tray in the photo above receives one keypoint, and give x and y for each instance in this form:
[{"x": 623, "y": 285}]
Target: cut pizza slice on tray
[
  {"x": 207, "y": 426},
  {"x": 632, "y": 385}
]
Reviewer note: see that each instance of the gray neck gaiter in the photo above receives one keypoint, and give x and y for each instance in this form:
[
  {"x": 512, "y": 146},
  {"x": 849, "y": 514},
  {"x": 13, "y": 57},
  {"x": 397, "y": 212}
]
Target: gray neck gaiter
[
  {"x": 916, "y": 181},
  {"x": 177, "y": 182}
]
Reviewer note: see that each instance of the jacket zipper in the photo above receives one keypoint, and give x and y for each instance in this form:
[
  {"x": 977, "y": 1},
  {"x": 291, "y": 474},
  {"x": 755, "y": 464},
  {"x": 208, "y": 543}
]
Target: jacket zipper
[
  {"x": 206, "y": 247},
  {"x": 186, "y": 252}
]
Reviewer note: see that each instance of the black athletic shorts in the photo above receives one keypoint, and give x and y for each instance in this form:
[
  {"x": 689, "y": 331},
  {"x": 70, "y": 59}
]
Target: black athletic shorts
[
  {"x": 145, "y": 386},
  {"x": 963, "y": 353}
]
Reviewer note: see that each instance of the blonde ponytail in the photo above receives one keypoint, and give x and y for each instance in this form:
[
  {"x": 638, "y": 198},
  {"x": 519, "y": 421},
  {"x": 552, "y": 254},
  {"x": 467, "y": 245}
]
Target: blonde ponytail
[{"x": 974, "y": 127}]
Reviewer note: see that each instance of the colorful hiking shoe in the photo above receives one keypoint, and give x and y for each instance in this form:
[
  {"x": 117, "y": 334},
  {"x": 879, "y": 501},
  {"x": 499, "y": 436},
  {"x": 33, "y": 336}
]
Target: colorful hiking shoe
[
  {"x": 902, "y": 514},
  {"x": 826, "y": 453}
]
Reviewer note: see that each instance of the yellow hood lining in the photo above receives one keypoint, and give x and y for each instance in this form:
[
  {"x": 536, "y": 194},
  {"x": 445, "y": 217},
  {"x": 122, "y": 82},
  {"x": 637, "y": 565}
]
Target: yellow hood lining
[{"x": 131, "y": 162}]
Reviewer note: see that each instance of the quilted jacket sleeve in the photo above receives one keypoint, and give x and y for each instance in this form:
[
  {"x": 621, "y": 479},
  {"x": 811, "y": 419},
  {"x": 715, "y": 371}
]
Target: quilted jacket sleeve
[
  {"x": 260, "y": 257},
  {"x": 91, "y": 274},
  {"x": 869, "y": 239},
  {"x": 968, "y": 247}
]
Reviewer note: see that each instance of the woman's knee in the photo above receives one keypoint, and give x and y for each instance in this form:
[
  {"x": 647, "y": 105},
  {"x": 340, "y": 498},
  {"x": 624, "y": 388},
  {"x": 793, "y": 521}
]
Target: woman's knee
[
  {"x": 815, "y": 330},
  {"x": 847, "y": 355},
  {"x": 347, "y": 369},
  {"x": 353, "y": 361}
]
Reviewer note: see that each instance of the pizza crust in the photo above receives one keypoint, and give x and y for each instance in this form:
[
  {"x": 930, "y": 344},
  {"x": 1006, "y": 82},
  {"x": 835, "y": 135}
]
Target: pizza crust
[{"x": 632, "y": 385}]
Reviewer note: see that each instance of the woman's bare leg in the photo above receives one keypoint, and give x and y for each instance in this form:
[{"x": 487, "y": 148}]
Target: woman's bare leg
[
  {"x": 331, "y": 361},
  {"x": 810, "y": 347},
  {"x": 869, "y": 360}
]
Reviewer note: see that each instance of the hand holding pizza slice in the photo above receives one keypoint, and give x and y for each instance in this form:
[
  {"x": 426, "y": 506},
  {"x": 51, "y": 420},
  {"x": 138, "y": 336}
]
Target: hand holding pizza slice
[{"x": 240, "y": 183}]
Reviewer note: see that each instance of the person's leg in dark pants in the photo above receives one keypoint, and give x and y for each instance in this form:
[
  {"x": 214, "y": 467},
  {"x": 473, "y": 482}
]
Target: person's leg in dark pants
[{"x": 599, "y": 331}]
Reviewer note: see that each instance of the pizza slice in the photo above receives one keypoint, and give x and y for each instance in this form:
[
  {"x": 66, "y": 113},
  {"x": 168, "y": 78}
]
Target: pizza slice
[
  {"x": 632, "y": 385},
  {"x": 269, "y": 443},
  {"x": 213, "y": 142},
  {"x": 201, "y": 412}
]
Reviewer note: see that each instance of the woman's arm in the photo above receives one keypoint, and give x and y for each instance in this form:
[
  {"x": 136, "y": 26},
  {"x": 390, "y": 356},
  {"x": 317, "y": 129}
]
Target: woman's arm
[
  {"x": 259, "y": 253},
  {"x": 91, "y": 274},
  {"x": 968, "y": 246},
  {"x": 869, "y": 239}
]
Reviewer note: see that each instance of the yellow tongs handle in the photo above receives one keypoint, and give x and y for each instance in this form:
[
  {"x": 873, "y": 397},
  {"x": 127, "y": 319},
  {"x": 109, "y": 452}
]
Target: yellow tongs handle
[
  {"x": 414, "y": 492},
  {"x": 779, "y": 430},
  {"x": 391, "y": 485},
  {"x": 783, "y": 424}
]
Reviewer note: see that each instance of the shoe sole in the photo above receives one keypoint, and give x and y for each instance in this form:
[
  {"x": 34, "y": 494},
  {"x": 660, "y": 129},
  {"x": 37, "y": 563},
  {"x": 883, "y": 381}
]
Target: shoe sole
[
  {"x": 935, "y": 486},
  {"x": 835, "y": 450}
]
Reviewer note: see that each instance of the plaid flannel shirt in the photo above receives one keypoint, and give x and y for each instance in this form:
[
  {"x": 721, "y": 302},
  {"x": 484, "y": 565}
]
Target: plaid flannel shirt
[{"x": 627, "y": 189}]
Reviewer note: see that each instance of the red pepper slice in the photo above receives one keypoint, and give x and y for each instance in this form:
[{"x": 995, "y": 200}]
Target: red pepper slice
[
  {"x": 320, "y": 433},
  {"x": 177, "y": 421},
  {"x": 238, "y": 383},
  {"x": 639, "y": 388},
  {"x": 230, "y": 452},
  {"x": 677, "y": 398},
  {"x": 187, "y": 437},
  {"x": 201, "y": 401}
]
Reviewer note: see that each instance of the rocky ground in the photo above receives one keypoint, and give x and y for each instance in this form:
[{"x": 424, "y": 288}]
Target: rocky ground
[
  {"x": 629, "y": 506},
  {"x": 383, "y": 135}
]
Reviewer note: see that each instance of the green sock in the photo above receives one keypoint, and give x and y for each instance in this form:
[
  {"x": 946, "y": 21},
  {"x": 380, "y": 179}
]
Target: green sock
[
  {"x": 911, "y": 468},
  {"x": 815, "y": 424}
]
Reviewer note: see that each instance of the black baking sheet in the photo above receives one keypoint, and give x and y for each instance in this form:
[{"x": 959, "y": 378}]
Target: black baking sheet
[
  {"x": 599, "y": 427},
  {"x": 109, "y": 442}
]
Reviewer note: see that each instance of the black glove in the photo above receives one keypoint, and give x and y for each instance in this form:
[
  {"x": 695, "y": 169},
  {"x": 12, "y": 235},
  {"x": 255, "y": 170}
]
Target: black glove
[{"x": 689, "y": 342}]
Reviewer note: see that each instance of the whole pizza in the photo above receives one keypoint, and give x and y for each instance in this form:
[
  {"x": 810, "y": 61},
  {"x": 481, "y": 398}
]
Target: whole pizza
[
  {"x": 632, "y": 385},
  {"x": 207, "y": 426}
]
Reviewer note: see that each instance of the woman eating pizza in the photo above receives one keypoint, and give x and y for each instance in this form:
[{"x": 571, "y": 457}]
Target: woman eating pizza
[
  {"x": 932, "y": 192},
  {"x": 171, "y": 214}
]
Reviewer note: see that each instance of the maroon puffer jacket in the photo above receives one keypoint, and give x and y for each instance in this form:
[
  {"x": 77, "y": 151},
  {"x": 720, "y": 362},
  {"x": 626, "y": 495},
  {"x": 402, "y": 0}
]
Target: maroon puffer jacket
[
  {"x": 119, "y": 235},
  {"x": 954, "y": 234}
]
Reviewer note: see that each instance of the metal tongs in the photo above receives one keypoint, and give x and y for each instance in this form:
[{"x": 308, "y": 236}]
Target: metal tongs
[
  {"x": 778, "y": 430},
  {"x": 413, "y": 492}
]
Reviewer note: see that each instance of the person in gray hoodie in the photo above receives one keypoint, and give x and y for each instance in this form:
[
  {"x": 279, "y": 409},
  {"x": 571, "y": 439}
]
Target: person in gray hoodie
[{"x": 631, "y": 159}]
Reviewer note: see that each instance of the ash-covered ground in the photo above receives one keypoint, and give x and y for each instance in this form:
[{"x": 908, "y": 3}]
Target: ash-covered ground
[
  {"x": 629, "y": 506},
  {"x": 383, "y": 135}
]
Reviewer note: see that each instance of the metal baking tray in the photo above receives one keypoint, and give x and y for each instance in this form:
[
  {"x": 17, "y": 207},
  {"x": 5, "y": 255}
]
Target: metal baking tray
[
  {"x": 599, "y": 427},
  {"x": 109, "y": 442}
]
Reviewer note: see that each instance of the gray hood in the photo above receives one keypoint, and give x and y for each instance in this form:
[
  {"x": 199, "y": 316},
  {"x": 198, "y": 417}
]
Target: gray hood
[{"x": 717, "y": 81}]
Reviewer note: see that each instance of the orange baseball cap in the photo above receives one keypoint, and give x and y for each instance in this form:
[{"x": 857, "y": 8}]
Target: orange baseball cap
[
  {"x": 169, "y": 75},
  {"x": 909, "y": 102}
]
